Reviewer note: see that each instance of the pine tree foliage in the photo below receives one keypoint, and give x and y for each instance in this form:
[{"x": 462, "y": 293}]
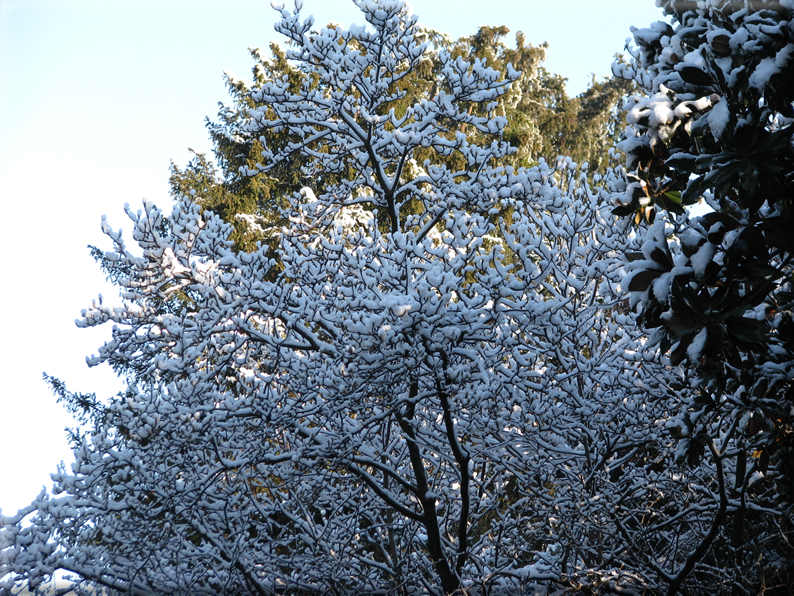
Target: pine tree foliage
[
  {"x": 542, "y": 122},
  {"x": 252, "y": 204}
]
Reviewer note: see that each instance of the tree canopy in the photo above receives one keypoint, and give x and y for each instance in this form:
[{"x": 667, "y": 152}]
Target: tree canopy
[
  {"x": 542, "y": 121},
  {"x": 713, "y": 124},
  {"x": 429, "y": 379}
]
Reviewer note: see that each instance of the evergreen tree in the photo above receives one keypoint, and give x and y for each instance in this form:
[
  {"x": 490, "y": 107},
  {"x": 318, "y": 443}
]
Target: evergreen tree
[
  {"x": 714, "y": 123},
  {"x": 543, "y": 122}
]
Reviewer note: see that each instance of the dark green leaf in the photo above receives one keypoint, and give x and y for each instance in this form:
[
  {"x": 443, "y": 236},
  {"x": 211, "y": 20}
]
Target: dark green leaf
[
  {"x": 779, "y": 234},
  {"x": 623, "y": 210},
  {"x": 762, "y": 269},
  {"x": 715, "y": 179},
  {"x": 683, "y": 162},
  {"x": 747, "y": 330},
  {"x": 679, "y": 353},
  {"x": 728, "y": 222},
  {"x": 748, "y": 176},
  {"x": 662, "y": 257},
  {"x": 671, "y": 201},
  {"x": 721, "y": 45},
  {"x": 695, "y": 76},
  {"x": 774, "y": 143},
  {"x": 681, "y": 325},
  {"x": 642, "y": 280}
]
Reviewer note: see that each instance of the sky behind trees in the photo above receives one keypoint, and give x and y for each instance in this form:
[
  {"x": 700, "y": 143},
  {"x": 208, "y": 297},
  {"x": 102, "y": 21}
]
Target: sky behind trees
[{"x": 96, "y": 98}]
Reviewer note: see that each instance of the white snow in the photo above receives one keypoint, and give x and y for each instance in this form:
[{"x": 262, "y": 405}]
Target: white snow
[
  {"x": 701, "y": 259},
  {"x": 718, "y": 117},
  {"x": 695, "y": 349}
]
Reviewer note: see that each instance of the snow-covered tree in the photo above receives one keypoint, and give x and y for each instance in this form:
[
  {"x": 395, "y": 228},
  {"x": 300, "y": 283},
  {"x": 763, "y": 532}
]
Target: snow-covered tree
[
  {"x": 714, "y": 122},
  {"x": 432, "y": 386},
  {"x": 542, "y": 121}
]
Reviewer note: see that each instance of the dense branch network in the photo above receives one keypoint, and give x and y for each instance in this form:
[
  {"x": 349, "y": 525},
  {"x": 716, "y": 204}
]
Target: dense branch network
[{"x": 430, "y": 383}]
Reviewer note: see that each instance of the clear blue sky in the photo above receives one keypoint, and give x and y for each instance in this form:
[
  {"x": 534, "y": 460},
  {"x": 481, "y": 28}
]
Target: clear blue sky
[{"x": 96, "y": 98}]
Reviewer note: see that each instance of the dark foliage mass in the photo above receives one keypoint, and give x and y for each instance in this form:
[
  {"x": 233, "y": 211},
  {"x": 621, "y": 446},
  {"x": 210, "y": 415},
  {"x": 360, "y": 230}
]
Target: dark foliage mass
[{"x": 714, "y": 125}]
